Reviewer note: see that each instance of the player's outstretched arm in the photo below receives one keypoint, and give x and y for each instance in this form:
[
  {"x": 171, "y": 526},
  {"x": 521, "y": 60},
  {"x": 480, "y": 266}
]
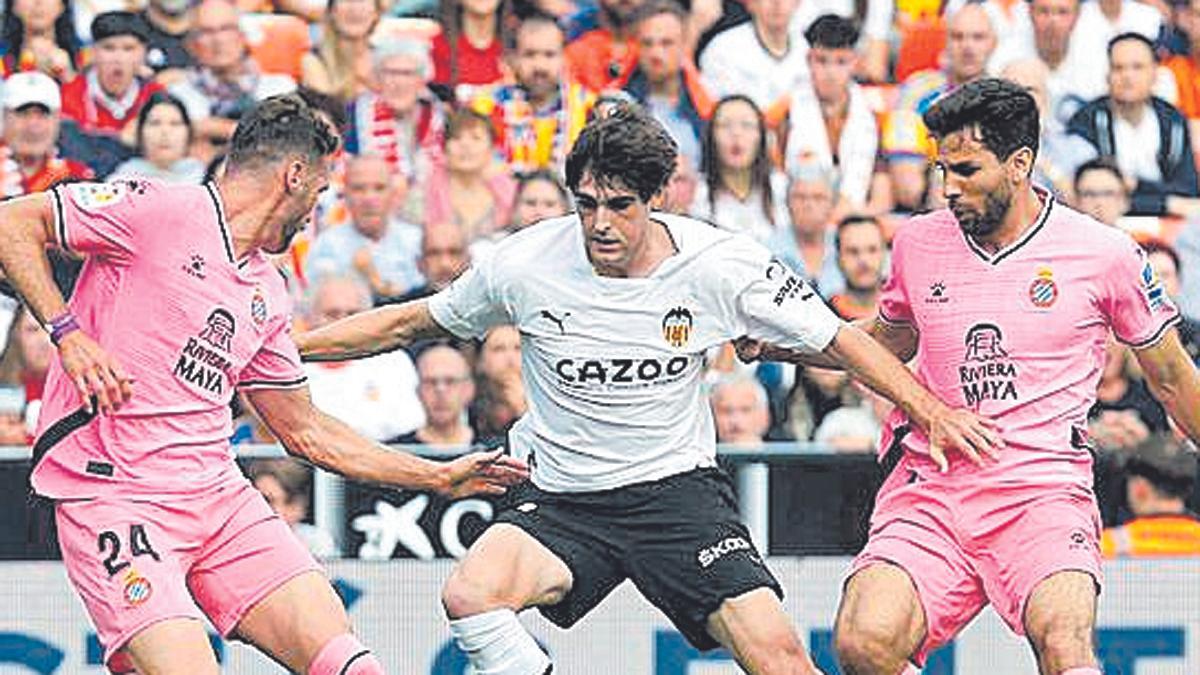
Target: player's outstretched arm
[
  {"x": 380, "y": 330},
  {"x": 1174, "y": 381},
  {"x": 26, "y": 229},
  {"x": 309, "y": 433},
  {"x": 946, "y": 427},
  {"x": 899, "y": 339}
]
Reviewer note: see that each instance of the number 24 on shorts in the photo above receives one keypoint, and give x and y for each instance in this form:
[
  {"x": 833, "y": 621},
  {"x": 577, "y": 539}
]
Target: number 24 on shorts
[{"x": 110, "y": 544}]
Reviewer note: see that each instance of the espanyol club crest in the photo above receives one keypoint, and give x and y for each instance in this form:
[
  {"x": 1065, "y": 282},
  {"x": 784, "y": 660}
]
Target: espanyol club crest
[
  {"x": 258, "y": 308},
  {"x": 1043, "y": 291},
  {"x": 137, "y": 588},
  {"x": 677, "y": 327}
]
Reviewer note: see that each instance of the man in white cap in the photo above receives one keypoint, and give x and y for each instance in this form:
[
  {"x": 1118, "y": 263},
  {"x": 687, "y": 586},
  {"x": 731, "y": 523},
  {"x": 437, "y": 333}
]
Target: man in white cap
[{"x": 29, "y": 160}]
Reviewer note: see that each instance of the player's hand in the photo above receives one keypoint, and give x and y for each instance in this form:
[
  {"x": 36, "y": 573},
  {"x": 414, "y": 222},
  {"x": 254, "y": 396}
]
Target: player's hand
[
  {"x": 488, "y": 473},
  {"x": 748, "y": 349},
  {"x": 94, "y": 372},
  {"x": 976, "y": 437}
]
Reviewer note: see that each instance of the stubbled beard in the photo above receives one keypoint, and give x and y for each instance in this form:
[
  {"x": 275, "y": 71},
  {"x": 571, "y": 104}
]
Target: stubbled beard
[{"x": 995, "y": 207}]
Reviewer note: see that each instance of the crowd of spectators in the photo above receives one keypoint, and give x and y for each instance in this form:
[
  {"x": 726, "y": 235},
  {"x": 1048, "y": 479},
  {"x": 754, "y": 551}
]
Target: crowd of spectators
[{"x": 798, "y": 123}]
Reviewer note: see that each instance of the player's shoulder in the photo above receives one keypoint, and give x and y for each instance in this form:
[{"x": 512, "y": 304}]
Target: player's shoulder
[
  {"x": 696, "y": 237},
  {"x": 543, "y": 244},
  {"x": 927, "y": 229},
  {"x": 141, "y": 199},
  {"x": 736, "y": 35},
  {"x": 1074, "y": 226}
]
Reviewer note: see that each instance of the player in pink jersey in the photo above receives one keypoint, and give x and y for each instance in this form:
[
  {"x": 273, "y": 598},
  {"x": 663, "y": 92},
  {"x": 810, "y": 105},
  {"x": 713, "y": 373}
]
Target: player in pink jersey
[
  {"x": 1007, "y": 300},
  {"x": 178, "y": 306}
]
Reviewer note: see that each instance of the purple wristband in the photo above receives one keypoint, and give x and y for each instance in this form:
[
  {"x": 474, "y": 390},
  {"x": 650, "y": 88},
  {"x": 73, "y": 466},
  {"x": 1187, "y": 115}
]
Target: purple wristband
[{"x": 61, "y": 326}]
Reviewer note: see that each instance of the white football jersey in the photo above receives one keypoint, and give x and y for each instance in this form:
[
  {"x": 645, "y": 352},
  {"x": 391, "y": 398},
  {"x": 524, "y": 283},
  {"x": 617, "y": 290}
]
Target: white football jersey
[{"x": 612, "y": 366}]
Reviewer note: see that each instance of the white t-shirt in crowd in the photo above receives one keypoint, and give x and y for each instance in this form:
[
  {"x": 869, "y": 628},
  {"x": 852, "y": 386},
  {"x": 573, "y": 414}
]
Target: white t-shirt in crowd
[{"x": 376, "y": 396}]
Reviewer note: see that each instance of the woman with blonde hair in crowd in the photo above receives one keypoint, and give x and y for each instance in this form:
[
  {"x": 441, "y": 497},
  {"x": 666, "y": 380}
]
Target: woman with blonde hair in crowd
[
  {"x": 341, "y": 64},
  {"x": 741, "y": 191},
  {"x": 470, "y": 190}
]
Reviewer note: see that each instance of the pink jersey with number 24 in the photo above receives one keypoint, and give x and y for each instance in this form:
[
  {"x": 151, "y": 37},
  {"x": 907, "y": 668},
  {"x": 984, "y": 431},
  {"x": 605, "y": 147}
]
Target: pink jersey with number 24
[{"x": 1019, "y": 335}]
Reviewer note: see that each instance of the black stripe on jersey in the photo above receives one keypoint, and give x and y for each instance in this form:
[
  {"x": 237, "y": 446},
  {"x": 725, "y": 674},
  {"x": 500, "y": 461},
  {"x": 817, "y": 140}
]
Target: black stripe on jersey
[
  {"x": 60, "y": 220},
  {"x": 212, "y": 194},
  {"x": 273, "y": 384},
  {"x": 1158, "y": 334},
  {"x": 1014, "y": 247},
  {"x": 346, "y": 668}
]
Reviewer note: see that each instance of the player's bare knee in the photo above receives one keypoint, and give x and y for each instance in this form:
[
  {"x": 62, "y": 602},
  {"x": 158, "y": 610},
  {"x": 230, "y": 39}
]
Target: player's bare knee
[
  {"x": 463, "y": 596},
  {"x": 867, "y": 646},
  {"x": 1064, "y": 640}
]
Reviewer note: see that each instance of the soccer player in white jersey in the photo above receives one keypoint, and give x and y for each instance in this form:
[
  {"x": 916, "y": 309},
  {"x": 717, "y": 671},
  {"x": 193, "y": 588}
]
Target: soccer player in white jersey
[{"x": 617, "y": 306}]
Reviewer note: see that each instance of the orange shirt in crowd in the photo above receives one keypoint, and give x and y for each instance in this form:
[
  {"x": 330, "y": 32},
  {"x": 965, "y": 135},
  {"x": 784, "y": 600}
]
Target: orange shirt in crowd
[
  {"x": 1187, "y": 83},
  {"x": 1153, "y": 536},
  {"x": 598, "y": 61}
]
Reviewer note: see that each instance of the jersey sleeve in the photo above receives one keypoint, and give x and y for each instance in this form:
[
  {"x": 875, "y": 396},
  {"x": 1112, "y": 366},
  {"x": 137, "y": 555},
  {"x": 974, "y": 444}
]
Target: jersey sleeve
[
  {"x": 468, "y": 307},
  {"x": 100, "y": 219},
  {"x": 894, "y": 306},
  {"x": 775, "y": 304},
  {"x": 1137, "y": 305},
  {"x": 277, "y": 364}
]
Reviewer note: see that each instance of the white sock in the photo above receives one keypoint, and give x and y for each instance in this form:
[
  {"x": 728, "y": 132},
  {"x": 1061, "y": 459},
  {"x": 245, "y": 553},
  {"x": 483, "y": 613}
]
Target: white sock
[{"x": 498, "y": 644}]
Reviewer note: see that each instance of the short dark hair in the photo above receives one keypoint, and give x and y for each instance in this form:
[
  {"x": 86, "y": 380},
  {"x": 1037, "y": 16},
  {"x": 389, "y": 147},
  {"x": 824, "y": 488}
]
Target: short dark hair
[
  {"x": 1099, "y": 164},
  {"x": 332, "y": 106},
  {"x": 1130, "y": 36},
  {"x": 534, "y": 18},
  {"x": 1155, "y": 245},
  {"x": 465, "y": 118},
  {"x": 851, "y": 221},
  {"x": 544, "y": 175},
  {"x": 277, "y": 128},
  {"x": 1167, "y": 464},
  {"x": 627, "y": 147},
  {"x": 1005, "y": 113},
  {"x": 293, "y": 476},
  {"x": 831, "y": 31},
  {"x": 653, "y": 8}
]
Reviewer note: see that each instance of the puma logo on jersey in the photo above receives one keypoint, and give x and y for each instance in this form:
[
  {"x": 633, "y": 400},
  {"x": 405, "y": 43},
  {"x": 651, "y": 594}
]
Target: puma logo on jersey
[{"x": 557, "y": 321}]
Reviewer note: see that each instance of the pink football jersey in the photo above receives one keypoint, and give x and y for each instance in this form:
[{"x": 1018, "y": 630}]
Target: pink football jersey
[
  {"x": 1019, "y": 335},
  {"x": 161, "y": 292}
]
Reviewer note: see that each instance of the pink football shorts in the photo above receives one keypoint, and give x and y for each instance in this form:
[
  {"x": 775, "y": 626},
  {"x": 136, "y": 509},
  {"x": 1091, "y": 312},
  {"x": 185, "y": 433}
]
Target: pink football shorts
[
  {"x": 135, "y": 563},
  {"x": 967, "y": 542}
]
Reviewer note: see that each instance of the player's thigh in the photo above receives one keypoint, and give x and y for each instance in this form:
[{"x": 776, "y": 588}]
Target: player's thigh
[
  {"x": 880, "y": 601},
  {"x": 506, "y": 567},
  {"x": 1047, "y": 531},
  {"x": 127, "y": 562},
  {"x": 1060, "y": 613},
  {"x": 172, "y": 647},
  {"x": 295, "y": 621},
  {"x": 688, "y": 552},
  {"x": 254, "y": 569},
  {"x": 754, "y": 627}
]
